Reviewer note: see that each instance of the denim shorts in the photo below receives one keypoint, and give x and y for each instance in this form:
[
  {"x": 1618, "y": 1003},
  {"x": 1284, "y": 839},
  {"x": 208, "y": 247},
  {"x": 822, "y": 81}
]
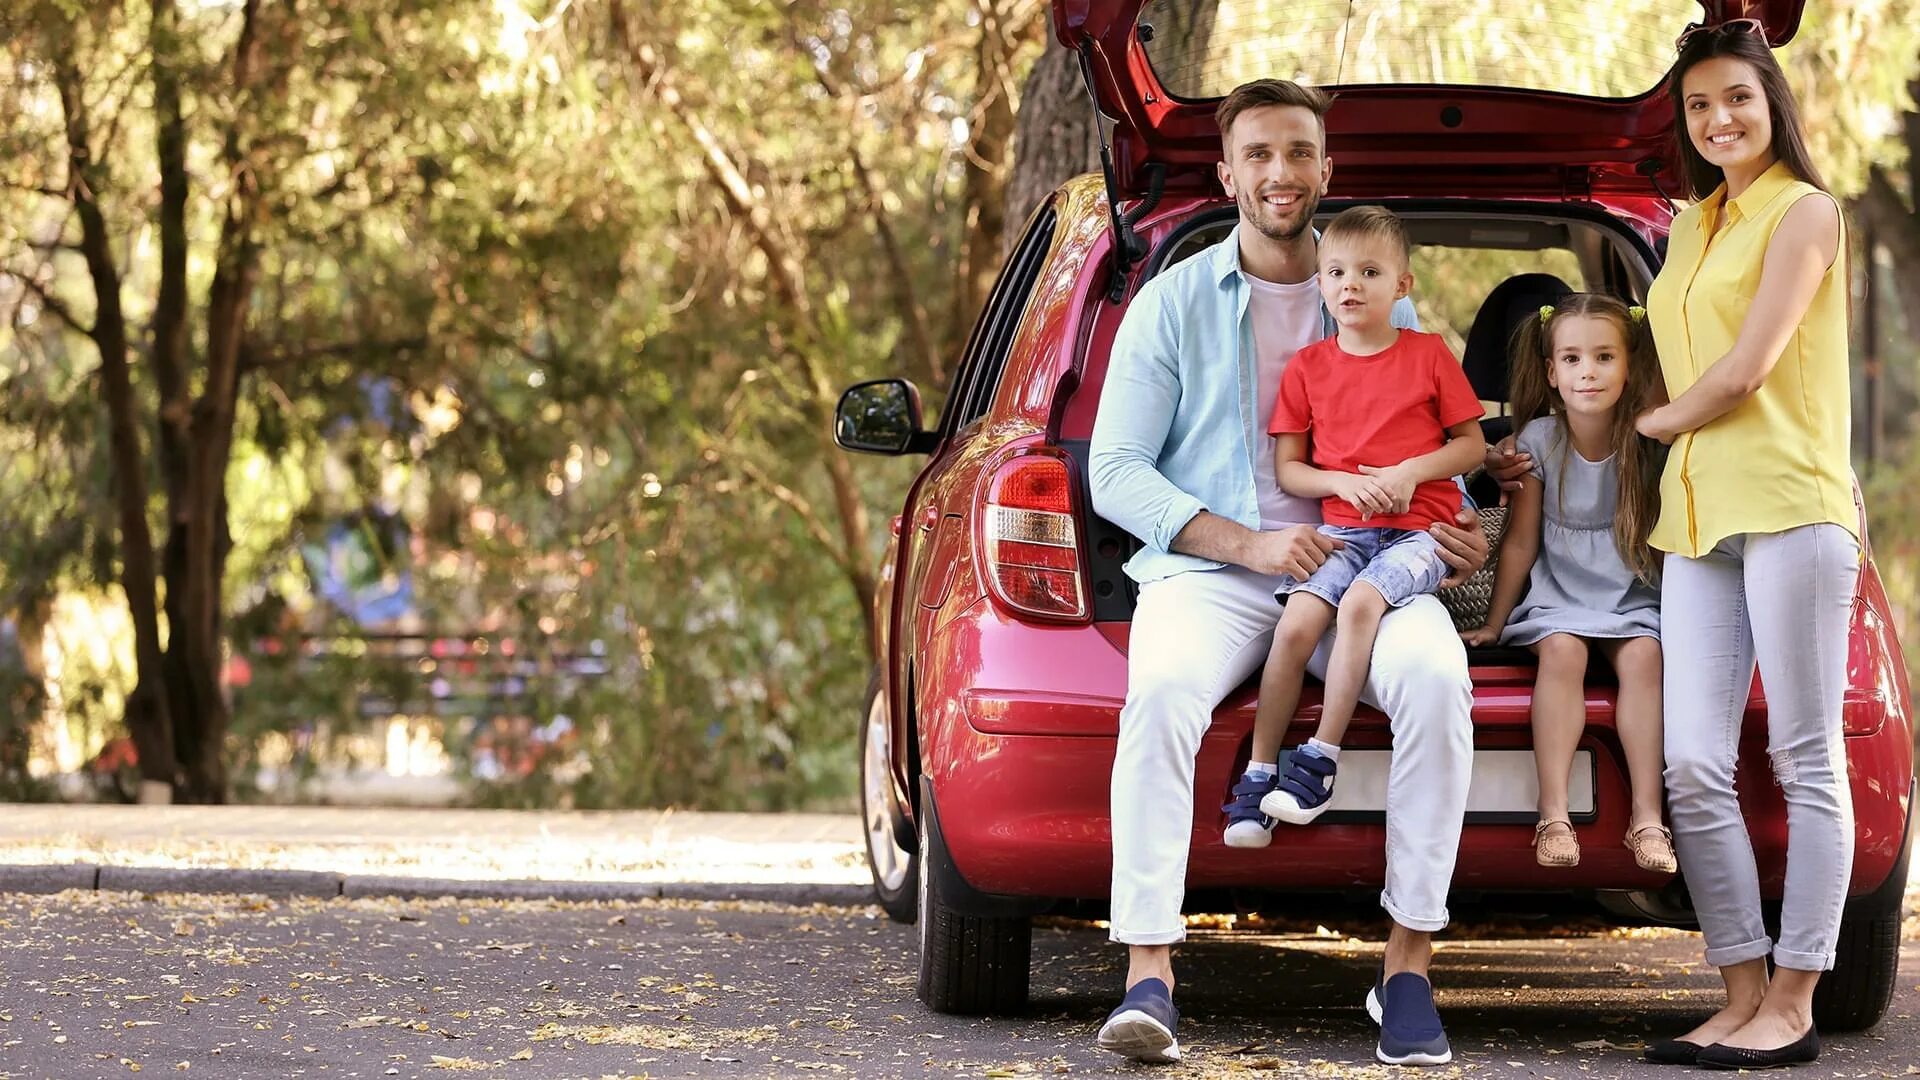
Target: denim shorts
[{"x": 1400, "y": 563}]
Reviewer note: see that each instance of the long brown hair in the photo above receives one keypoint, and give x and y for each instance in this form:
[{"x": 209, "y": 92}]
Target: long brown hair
[
  {"x": 1789, "y": 133},
  {"x": 1637, "y": 459}
]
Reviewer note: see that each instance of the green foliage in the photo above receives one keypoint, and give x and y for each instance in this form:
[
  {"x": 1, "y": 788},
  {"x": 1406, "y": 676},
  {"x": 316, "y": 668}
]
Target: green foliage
[{"x": 505, "y": 295}]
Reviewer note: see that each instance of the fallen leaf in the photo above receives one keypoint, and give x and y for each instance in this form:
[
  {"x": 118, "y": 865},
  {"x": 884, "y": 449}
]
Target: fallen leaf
[{"x": 524, "y": 1055}]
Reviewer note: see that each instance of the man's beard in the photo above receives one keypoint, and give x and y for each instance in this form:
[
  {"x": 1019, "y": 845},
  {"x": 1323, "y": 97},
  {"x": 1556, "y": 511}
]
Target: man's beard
[{"x": 1253, "y": 211}]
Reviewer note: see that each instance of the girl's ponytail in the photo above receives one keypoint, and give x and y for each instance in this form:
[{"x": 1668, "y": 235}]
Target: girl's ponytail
[{"x": 1528, "y": 392}]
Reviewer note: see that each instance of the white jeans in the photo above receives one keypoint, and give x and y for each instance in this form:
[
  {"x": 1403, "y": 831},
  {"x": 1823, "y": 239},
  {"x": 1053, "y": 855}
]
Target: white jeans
[
  {"x": 1783, "y": 598},
  {"x": 1199, "y": 634}
]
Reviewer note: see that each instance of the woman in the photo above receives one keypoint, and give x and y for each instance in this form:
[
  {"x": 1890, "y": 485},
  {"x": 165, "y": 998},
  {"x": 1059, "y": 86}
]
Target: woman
[{"x": 1750, "y": 318}]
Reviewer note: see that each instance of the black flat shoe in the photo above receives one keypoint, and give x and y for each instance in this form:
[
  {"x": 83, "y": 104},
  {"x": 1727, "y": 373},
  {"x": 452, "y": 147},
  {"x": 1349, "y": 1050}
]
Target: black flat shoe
[
  {"x": 1673, "y": 1052},
  {"x": 1798, "y": 1052}
]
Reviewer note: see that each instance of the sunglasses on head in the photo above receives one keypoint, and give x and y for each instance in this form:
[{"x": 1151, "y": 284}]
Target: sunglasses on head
[{"x": 1731, "y": 26}]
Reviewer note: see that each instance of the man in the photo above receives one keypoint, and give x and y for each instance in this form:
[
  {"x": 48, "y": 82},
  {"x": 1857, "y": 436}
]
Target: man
[{"x": 1181, "y": 460}]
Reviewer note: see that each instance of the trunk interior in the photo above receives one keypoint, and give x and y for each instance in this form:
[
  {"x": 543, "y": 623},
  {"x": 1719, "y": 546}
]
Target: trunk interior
[{"x": 1479, "y": 266}]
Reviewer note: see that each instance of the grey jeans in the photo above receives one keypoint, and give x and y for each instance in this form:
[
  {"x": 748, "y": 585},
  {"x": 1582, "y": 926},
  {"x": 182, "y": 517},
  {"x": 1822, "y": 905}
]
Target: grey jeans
[{"x": 1783, "y": 599}]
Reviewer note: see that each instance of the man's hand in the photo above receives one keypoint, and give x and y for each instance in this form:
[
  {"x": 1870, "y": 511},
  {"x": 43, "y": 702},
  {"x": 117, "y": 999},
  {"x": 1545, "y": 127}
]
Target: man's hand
[
  {"x": 1296, "y": 551},
  {"x": 1653, "y": 425},
  {"x": 1397, "y": 482},
  {"x": 1366, "y": 494},
  {"x": 1507, "y": 465},
  {"x": 1462, "y": 546}
]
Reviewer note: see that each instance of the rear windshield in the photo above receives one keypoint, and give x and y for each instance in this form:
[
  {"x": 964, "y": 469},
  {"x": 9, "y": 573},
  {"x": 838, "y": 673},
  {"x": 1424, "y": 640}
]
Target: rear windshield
[{"x": 1202, "y": 49}]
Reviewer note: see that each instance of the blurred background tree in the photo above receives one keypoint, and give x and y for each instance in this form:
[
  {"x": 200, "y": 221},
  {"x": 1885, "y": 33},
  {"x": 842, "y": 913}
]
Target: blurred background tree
[{"x": 441, "y": 388}]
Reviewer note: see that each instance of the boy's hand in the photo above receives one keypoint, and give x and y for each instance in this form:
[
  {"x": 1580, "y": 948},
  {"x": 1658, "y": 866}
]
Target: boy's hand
[
  {"x": 1367, "y": 494},
  {"x": 1507, "y": 465},
  {"x": 1398, "y": 484}
]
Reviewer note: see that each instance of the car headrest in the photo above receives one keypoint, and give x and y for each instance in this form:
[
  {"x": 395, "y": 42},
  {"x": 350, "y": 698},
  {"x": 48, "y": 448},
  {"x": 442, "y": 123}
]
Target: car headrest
[{"x": 1520, "y": 296}]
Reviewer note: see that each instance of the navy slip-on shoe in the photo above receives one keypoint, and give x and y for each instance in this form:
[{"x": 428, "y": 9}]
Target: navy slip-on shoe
[
  {"x": 1410, "y": 1031},
  {"x": 1142, "y": 1028}
]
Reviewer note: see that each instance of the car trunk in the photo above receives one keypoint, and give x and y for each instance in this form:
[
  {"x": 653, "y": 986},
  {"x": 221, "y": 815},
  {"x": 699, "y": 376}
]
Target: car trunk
[
  {"x": 1470, "y": 96},
  {"x": 1465, "y": 250}
]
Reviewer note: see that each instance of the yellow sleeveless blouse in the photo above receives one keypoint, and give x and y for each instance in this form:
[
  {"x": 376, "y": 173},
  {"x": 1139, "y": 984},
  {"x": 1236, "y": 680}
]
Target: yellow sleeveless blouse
[{"x": 1778, "y": 460}]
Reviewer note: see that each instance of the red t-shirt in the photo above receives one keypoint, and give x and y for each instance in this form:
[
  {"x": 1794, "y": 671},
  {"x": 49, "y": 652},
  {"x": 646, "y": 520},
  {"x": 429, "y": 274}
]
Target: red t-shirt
[{"x": 1377, "y": 410}]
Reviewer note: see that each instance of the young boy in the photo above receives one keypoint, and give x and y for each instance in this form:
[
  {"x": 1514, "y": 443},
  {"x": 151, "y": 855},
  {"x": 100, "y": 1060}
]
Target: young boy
[{"x": 1375, "y": 422}]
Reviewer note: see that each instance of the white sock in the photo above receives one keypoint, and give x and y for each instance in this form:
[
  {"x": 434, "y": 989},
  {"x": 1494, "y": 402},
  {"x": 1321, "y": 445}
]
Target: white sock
[
  {"x": 1258, "y": 769},
  {"x": 1325, "y": 749}
]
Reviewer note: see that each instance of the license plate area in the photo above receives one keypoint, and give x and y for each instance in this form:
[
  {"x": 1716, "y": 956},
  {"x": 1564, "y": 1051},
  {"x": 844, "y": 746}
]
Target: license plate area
[{"x": 1505, "y": 789}]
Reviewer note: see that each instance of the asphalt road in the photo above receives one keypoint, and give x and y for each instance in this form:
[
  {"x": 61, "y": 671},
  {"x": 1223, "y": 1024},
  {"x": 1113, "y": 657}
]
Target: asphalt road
[{"x": 106, "y": 984}]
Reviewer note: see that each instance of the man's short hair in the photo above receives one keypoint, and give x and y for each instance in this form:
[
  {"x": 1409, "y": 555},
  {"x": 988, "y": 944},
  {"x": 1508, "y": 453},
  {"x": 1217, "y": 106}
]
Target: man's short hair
[
  {"x": 1261, "y": 93},
  {"x": 1365, "y": 223}
]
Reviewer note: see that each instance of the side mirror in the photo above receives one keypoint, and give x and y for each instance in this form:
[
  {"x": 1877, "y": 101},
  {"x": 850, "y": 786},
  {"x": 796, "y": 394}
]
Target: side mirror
[{"x": 881, "y": 417}]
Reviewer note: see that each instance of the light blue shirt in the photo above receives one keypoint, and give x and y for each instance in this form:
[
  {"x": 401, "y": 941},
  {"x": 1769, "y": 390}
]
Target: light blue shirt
[{"x": 1178, "y": 424}]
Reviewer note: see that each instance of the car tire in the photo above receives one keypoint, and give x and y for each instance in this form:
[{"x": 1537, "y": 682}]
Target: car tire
[
  {"x": 893, "y": 865},
  {"x": 1854, "y": 996},
  {"x": 969, "y": 964}
]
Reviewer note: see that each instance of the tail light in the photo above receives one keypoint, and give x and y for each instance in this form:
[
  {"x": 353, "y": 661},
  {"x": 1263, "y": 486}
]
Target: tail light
[{"x": 1030, "y": 543}]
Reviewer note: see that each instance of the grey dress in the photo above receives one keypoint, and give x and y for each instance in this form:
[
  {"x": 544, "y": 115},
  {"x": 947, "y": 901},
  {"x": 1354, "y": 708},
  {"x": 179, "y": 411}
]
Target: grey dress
[{"x": 1579, "y": 583}]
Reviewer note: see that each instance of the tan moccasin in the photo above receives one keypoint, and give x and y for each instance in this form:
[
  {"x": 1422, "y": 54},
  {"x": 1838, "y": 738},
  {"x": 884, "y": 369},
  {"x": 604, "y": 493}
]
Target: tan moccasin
[{"x": 1652, "y": 847}]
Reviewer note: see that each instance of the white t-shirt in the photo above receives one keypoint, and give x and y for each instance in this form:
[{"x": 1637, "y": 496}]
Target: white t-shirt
[{"x": 1286, "y": 319}]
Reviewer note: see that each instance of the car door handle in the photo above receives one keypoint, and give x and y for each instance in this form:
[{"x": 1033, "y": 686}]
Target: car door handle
[{"x": 929, "y": 517}]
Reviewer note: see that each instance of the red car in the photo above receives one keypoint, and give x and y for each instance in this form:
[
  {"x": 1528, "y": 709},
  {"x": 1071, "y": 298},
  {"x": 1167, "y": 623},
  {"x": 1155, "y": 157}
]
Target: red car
[{"x": 1004, "y": 614}]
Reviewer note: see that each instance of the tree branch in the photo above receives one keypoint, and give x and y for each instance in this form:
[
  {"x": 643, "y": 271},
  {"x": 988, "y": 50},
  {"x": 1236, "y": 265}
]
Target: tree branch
[
  {"x": 801, "y": 508},
  {"x": 274, "y": 360},
  {"x": 35, "y": 189},
  {"x": 788, "y": 277},
  {"x": 52, "y": 303},
  {"x": 906, "y": 300}
]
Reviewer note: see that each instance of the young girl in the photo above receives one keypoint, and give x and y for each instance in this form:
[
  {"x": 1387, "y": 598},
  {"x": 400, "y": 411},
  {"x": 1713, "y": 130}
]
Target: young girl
[{"x": 1576, "y": 542}]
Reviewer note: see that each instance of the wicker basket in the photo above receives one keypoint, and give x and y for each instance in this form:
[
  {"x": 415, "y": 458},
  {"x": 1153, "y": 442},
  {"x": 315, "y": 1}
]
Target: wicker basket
[{"x": 1468, "y": 602}]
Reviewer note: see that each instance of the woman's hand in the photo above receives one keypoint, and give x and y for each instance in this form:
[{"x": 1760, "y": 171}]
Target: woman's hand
[{"x": 1654, "y": 425}]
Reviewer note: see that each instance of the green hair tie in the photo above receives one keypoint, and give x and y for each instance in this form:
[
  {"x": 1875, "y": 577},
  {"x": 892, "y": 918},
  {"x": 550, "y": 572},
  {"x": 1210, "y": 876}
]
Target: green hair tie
[
  {"x": 1637, "y": 313},
  {"x": 1546, "y": 314}
]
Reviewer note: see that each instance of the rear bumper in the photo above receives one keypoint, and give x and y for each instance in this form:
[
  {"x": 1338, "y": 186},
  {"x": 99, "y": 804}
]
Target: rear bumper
[
  {"x": 1030, "y": 813},
  {"x": 1022, "y": 780},
  {"x": 1027, "y": 815}
]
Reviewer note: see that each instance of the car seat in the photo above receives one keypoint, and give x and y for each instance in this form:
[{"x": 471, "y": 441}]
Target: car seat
[{"x": 1490, "y": 339}]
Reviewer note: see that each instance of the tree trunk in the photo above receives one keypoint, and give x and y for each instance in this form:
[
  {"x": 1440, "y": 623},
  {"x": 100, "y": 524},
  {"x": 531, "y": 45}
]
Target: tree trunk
[
  {"x": 148, "y": 716},
  {"x": 1893, "y": 220},
  {"x": 169, "y": 355},
  {"x": 195, "y": 646},
  {"x": 988, "y": 154},
  {"x": 1054, "y": 138},
  {"x": 1057, "y": 140}
]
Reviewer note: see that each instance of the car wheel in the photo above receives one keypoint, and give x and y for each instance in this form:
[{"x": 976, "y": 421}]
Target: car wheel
[
  {"x": 894, "y": 868},
  {"x": 1855, "y": 994},
  {"x": 969, "y": 964}
]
